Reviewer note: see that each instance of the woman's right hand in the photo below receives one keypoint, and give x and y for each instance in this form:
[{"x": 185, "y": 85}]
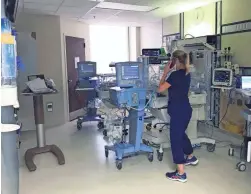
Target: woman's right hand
[{"x": 167, "y": 68}]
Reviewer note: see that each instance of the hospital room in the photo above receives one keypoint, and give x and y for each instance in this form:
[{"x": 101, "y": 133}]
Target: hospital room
[{"x": 100, "y": 94}]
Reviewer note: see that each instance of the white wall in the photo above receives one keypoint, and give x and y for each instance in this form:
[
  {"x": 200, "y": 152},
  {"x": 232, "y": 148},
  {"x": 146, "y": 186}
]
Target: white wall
[
  {"x": 27, "y": 49},
  {"x": 49, "y": 60},
  {"x": 74, "y": 29},
  {"x": 200, "y": 21},
  {"x": 133, "y": 43},
  {"x": 151, "y": 36},
  {"x": 171, "y": 25}
]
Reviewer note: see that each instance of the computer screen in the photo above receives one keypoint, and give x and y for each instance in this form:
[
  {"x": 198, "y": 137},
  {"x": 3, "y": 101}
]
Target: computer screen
[
  {"x": 151, "y": 52},
  {"x": 246, "y": 82},
  {"x": 86, "y": 68},
  {"x": 130, "y": 72}
]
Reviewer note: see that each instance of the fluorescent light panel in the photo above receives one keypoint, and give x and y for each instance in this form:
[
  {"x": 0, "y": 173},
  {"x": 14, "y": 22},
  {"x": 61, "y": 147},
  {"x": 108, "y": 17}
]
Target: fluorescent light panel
[{"x": 126, "y": 7}]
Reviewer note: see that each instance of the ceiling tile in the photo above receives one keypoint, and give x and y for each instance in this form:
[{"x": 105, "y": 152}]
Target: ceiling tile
[
  {"x": 104, "y": 11},
  {"x": 80, "y": 3},
  {"x": 39, "y": 6},
  {"x": 77, "y": 10},
  {"x": 136, "y": 2},
  {"x": 50, "y": 2},
  {"x": 131, "y": 16},
  {"x": 96, "y": 17},
  {"x": 72, "y": 10}
]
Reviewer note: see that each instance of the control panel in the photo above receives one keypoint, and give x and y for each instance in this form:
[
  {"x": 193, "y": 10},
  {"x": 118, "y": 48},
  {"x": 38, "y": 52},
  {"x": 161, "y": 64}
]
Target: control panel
[{"x": 129, "y": 74}]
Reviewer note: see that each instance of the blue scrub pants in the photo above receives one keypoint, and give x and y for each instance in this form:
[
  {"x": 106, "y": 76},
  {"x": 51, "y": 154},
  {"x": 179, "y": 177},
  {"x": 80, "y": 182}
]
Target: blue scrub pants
[{"x": 180, "y": 115}]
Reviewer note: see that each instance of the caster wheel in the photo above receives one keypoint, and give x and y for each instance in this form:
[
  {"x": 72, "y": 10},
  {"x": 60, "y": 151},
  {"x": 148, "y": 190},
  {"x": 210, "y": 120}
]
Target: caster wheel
[
  {"x": 150, "y": 157},
  {"x": 105, "y": 133},
  {"x": 149, "y": 127},
  {"x": 241, "y": 166},
  {"x": 106, "y": 153},
  {"x": 79, "y": 126},
  {"x": 231, "y": 152},
  {"x": 155, "y": 126},
  {"x": 211, "y": 147},
  {"x": 160, "y": 131},
  {"x": 119, "y": 165},
  {"x": 237, "y": 165},
  {"x": 160, "y": 156},
  {"x": 101, "y": 125}
]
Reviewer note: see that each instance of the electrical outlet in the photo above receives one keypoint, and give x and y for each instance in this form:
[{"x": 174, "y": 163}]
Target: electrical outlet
[{"x": 49, "y": 107}]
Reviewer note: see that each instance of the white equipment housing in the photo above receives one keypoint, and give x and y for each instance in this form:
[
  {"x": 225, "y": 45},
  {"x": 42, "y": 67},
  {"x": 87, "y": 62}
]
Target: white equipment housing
[{"x": 198, "y": 102}]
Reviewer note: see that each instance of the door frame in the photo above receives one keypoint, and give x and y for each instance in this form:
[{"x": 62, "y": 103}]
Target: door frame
[{"x": 65, "y": 84}]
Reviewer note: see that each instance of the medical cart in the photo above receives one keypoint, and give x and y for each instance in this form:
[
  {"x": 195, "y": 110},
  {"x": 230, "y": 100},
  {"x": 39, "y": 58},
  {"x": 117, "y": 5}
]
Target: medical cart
[{"x": 88, "y": 82}]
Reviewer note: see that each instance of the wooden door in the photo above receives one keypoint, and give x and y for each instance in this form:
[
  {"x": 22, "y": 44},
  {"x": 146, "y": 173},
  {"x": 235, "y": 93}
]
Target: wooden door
[{"x": 75, "y": 51}]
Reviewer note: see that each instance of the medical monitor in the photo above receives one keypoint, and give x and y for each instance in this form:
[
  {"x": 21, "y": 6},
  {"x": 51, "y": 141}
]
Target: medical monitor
[
  {"x": 153, "y": 54},
  {"x": 86, "y": 69},
  {"x": 222, "y": 77},
  {"x": 129, "y": 74},
  {"x": 245, "y": 82}
]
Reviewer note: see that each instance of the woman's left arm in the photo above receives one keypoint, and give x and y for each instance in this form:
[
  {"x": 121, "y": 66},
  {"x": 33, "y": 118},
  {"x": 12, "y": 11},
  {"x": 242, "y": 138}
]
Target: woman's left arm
[{"x": 163, "y": 87}]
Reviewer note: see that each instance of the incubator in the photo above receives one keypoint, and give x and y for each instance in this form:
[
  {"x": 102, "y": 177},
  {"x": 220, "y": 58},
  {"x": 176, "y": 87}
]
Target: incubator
[{"x": 200, "y": 99}]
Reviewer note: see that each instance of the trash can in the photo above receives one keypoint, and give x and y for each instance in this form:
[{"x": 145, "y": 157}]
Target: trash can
[{"x": 9, "y": 152}]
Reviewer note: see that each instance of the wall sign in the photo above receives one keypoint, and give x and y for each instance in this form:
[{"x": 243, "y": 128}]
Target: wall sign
[{"x": 236, "y": 27}]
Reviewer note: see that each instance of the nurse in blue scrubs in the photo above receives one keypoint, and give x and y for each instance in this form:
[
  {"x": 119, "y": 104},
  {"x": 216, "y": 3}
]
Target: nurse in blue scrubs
[{"x": 180, "y": 111}]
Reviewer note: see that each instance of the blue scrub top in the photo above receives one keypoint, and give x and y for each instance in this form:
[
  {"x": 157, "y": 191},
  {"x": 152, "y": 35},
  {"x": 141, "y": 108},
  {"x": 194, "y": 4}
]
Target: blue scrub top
[{"x": 180, "y": 84}]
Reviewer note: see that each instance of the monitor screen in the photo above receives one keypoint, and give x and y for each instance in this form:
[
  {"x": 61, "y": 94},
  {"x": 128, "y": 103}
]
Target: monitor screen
[
  {"x": 246, "y": 82},
  {"x": 151, "y": 52},
  {"x": 221, "y": 76},
  {"x": 86, "y": 68},
  {"x": 130, "y": 72}
]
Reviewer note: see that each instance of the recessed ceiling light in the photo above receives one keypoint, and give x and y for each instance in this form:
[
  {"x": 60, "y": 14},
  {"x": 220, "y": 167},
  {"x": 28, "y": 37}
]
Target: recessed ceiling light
[{"x": 126, "y": 7}]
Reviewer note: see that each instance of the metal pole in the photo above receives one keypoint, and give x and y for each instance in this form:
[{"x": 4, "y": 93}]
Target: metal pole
[{"x": 39, "y": 120}]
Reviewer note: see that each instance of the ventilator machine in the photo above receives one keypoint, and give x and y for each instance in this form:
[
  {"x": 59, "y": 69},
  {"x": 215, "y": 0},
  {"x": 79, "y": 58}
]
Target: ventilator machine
[{"x": 130, "y": 95}]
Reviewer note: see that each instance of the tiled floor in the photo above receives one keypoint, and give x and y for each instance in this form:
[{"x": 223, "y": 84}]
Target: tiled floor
[{"x": 87, "y": 170}]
